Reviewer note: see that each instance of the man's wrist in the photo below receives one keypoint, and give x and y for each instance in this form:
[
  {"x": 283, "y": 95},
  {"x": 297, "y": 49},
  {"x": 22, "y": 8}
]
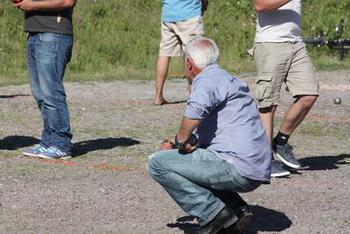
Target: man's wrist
[
  {"x": 34, "y": 6},
  {"x": 178, "y": 144}
]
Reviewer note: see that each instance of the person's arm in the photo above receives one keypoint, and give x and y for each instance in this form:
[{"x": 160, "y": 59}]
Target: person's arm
[
  {"x": 205, "y": 5},
  {"x": 185, "y": 133},
  {"x": 45, "y": 5},
  {"x": 268, "y": 5}
]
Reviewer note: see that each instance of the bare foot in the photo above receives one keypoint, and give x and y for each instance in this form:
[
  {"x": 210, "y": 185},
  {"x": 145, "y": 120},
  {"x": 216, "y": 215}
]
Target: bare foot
[{"x": 159, "y": 102}]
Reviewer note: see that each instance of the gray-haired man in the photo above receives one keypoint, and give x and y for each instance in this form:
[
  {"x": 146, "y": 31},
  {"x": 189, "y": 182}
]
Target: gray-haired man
[{"x": 232, "y": 153}]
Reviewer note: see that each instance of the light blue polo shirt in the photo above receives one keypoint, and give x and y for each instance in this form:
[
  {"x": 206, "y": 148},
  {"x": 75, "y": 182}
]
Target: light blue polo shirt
[
  {"x": 230, "y": 123},
  {"x": 179, "y": 10}
]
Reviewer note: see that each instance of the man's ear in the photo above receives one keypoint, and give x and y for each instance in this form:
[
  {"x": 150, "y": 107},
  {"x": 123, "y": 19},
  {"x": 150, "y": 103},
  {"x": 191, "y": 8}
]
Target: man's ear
[{"x": 190, "y": 63}]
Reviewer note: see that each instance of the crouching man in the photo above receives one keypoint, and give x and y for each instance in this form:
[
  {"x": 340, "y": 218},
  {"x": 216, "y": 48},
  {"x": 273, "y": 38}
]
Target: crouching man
[{"x": 220, "y": 150}]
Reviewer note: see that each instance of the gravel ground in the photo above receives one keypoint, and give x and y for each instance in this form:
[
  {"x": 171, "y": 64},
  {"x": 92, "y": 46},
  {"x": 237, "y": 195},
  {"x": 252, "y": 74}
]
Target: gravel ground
[{"x": 105, "y": 188}]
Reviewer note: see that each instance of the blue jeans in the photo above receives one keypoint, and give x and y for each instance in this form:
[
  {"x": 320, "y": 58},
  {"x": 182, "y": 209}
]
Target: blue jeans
[
  {"x": 47, "y": 57},
  {"x": 200, "y": 182}
]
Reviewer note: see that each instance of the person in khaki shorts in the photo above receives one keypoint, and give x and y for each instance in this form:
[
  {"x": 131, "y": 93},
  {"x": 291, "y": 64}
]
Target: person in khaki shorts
[
  {"x": 181, "y": 22},
  {"x": 280, "y": 57}
]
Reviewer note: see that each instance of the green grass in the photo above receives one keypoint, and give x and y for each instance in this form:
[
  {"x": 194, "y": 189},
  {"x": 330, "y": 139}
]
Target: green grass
[{"x": 118, "y": 40}]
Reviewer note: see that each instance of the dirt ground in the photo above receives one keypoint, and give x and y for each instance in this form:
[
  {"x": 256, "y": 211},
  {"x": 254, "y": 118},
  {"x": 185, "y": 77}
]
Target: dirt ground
[{"x": 105, "y": 188}]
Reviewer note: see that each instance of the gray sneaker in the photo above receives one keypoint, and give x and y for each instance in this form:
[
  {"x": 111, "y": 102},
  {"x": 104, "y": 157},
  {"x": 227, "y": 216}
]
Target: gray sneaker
[
  {"x": 54, "y": 153},
  {"x": 35, "y": 151},
  {"x": 277, "y": 170},
  {"x": 285, "y": 154}
]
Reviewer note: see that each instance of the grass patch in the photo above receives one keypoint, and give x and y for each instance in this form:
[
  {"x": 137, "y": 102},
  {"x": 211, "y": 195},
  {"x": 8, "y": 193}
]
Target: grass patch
[{"x": 317, "y": 129}]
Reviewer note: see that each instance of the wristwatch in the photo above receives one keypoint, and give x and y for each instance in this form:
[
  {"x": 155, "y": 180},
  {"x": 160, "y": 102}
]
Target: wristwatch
[{"x": 178, "y": 144}]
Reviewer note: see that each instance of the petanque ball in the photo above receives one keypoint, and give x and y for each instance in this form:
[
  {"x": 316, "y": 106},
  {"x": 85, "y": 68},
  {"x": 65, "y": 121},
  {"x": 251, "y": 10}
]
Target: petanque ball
[{"x": 337, "y": 100}]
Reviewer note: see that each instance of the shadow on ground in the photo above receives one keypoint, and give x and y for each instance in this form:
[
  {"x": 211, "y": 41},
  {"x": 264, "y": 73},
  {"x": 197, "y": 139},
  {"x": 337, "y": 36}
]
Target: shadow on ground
[
  {"x": 79, "y": 148},
  {"x": 16, "y": 142},
  {"x": 268, "y": 220},
  {"x": 84, "y": 147},
  {"x": 324, "y": 162},
  {"x": 176, "y": 102},
  {"x": 264, "y": 220},
  {"x": 169, "y": 103},
  {"x": 14, "y": 95}
]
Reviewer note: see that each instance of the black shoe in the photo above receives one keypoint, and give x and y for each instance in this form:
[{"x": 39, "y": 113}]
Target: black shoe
[
  {"x": 224, "y": 219},
  {"x": 244, "y": 215}
]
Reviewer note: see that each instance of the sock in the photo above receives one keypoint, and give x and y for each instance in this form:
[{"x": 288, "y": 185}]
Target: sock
[{"x": 281, "y": 138}]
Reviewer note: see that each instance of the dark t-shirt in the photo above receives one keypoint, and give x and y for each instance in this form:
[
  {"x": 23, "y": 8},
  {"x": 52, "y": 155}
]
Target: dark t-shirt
[{"x": 44, "y": 21}]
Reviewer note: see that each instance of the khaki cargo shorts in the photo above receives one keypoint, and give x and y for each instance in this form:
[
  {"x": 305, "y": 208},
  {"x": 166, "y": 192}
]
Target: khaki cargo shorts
[
  {"x": 176, "y": 35},
  {"x": 278, "y": 63}
]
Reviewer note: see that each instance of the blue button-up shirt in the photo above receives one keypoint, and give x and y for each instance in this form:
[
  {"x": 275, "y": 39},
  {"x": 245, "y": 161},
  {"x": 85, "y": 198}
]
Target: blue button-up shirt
[{"x": 230, "y": 124}]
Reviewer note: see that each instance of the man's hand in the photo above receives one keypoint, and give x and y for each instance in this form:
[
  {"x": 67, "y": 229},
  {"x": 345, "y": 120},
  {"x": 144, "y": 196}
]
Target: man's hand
[
  {"x": 166, "y": 145},
  {"x": 184, "y": 138},
  {"x": 25, "y": 5},
  {"x": 187, "y": 148},
  {"x": 190, "y": 146}
]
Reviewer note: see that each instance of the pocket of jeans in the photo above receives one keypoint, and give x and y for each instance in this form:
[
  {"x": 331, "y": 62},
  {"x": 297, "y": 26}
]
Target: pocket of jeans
[
  {"x": 48, "y": 45},
  {"x": 48, "y": 37},
  {"x": 222, "y": 180}
]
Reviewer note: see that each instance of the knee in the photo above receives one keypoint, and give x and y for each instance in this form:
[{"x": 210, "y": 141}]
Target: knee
[
  {"x": 38, "y": 95},
  {"x": 149, "y": 166},
  {"x": 307, "y": 101},
  {"x": 153, "y": 165},
  {"x": 54, "y": 100}
]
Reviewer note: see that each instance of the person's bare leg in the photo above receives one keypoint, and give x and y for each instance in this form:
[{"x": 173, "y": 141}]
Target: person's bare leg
[
  {"x": 296, "y": 113},
  {"x": 266, "y": 115},
  {"x": 161, "y": 74}
]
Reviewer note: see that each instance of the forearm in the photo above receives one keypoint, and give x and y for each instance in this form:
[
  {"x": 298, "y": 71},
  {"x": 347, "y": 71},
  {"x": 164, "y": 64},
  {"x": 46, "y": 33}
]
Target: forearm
[
  {"x": 45, "y": 5},
  {"x": 269, "y": 5},
  {"x": 183, "y": 140},
  {"x": 186, "y": 129}
]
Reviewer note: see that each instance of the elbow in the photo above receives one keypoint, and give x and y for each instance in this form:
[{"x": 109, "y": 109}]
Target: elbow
[
  {"x": 260, "y": 8},
  {"x": 69, "y": 3}
]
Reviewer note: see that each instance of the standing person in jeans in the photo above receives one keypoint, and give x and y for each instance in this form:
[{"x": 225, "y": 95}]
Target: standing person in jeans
[
  {"x": 232, "y": 153},
  {"x": 49, "y": 47},
  {"x": 181, "y": 22},
  {"x": 281, "y": 57}
]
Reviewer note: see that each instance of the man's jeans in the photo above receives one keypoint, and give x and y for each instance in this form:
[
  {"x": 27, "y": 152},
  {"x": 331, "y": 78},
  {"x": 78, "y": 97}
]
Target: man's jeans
[
  {"x": 200, "y": 182},
  {"x": 47, "y": 57}
]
